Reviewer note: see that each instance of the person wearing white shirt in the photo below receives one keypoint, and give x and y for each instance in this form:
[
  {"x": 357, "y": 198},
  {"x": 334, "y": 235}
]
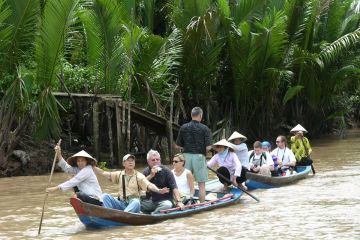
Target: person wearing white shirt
[
  {"x": 85, "y": 179},
  {"x": 260, "y": 162},
  {"x": 284, "y": 155},
  {"x": 183, "y": 177},
  {"x": 237, "y": 141}
]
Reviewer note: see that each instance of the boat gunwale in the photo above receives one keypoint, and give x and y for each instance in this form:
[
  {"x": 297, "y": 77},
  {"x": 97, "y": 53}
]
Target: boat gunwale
[
  {"x": 279, "y": 180},
  {"x": 125, "y": 218}
]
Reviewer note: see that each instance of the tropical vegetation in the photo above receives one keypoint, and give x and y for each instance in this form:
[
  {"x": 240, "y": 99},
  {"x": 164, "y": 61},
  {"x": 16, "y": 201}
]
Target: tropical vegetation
[{"x": 255, "y": 66}]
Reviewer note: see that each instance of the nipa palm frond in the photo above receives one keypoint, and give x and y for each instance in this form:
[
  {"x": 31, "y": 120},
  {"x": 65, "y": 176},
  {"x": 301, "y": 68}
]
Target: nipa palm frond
[
  {"x": 24, "y": 20},
  {"x": 340, "y": 47}
]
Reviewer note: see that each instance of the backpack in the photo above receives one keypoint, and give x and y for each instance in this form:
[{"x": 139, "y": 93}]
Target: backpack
[{"x": 263, "y": 156}]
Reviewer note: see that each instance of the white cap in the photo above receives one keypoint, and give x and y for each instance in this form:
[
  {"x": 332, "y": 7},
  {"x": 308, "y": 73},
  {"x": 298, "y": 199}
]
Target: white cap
[
  {"x": 298, "y": 128},
  {"x": 127, "y": 156},
  {"x": 236, "y": 135},
  {"x": 224, "y": 143}
]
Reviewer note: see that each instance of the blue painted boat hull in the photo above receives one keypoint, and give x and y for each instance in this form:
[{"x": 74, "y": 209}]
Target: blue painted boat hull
[
  {"x": 257, "y": 181},
  {"x": 93, "y": 216}
]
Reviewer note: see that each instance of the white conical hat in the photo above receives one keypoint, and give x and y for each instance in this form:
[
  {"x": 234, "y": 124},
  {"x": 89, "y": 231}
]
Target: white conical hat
[
  {"x": 298, "y": 128},
  {"x": 82, "y": 153},
  {"x": 236, "y": 135},
  {"x": 223, "y": 142}
]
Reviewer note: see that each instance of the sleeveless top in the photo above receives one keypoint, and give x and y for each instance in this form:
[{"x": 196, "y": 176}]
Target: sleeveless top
[{"x": 182, "y": 182}]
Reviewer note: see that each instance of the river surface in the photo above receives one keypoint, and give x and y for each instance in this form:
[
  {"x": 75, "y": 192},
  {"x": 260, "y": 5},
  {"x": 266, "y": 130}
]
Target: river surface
[{"x": 324, "y": 206}]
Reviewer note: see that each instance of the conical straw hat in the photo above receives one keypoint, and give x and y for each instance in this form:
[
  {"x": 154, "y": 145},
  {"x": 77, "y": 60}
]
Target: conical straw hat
[
  {"x": 236, "y": 135},
  {"x": 72, "y": 160},
  {"x": 223, "y": 142},
  {"x": 298, "y": 128}
]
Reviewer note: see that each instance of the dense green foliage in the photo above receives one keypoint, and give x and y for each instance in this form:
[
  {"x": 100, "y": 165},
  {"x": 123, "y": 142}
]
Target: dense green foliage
[{"x": 260, "y": 65}]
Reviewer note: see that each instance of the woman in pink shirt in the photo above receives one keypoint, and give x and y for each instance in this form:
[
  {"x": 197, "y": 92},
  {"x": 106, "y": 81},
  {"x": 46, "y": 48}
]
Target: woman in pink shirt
[{"x": 229, "y": 164}]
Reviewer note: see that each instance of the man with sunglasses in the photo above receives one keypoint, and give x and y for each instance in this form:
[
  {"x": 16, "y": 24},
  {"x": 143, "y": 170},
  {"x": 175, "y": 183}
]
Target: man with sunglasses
[
  {"x": 285, "y": 157},
  {"x": 162, "y": 177}
]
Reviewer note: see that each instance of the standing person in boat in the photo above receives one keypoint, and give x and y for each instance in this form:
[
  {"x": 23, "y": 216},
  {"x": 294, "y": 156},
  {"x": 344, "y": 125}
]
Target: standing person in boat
[
  {"x": 183, "y": 177},
  {"x": 85, "y": 181},
  {"x": 194, "y": 140},
  {"x": 229, "y": 164},
  {"x": 162, "y": 177},
  {"x": 284, "y": 154},
  {"x": 241, "y": 151},
  {"x": 300, "y": 146},
  {"x": 131, "y": 183},
  {"x": 260, "y": 162}
]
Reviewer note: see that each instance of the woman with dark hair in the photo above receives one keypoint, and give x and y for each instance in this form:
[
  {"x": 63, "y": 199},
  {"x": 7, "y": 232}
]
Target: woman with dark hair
[
  {"x": 183, "y": 177},
  {"x": 85, "y": 179}
]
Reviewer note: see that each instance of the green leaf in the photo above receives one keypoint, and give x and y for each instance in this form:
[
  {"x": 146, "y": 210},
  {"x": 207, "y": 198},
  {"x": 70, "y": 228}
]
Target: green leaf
[{"x": 292, "y": 92}]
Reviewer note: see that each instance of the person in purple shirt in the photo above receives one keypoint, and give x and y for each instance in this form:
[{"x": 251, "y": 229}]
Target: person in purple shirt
[{"x": 229, "y": 164}]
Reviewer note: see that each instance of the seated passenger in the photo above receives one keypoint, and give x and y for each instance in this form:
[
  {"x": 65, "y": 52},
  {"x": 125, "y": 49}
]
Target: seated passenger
[
  {"x": 284, "y": 154},
  {"x": 266, "y": 147},
  {"x": 85, "y": 181},
  {"x": 184, "y": 178},
  {"x": 131, "y": 183},
  {"x": 229, "y": 164},
  {"x": 162, "y": 177},
  {"x": 241, "y": 151},
  {"x": 260, "y": 162}
]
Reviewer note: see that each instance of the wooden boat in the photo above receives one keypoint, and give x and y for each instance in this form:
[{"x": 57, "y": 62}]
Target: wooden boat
[
  {"x": 93, "y": 216},
  {"x": 255, "y": 181}
]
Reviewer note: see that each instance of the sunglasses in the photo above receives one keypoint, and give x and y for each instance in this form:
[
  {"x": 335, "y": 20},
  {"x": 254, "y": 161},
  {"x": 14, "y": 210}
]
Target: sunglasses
[{"x": 177, "y": 161}]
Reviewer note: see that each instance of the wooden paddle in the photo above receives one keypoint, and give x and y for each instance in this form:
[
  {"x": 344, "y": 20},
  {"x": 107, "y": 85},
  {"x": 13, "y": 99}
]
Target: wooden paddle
[
  {"x": 46, "y": 195},
  {"x": 228, "y": 180}
]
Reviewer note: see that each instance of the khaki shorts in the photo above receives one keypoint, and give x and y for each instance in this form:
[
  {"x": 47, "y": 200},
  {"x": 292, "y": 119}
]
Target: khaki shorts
[{"x": 196, "y": 163}]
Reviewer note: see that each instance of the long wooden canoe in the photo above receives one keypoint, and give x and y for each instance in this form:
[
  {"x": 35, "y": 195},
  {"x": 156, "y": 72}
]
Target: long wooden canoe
[
  {"x": 93, "y": 216},
  {"x": 255, "y": 181}
]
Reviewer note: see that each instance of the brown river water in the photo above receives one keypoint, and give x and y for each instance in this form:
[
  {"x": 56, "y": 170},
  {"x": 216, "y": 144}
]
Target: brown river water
[{"x": 324, "y": 206}]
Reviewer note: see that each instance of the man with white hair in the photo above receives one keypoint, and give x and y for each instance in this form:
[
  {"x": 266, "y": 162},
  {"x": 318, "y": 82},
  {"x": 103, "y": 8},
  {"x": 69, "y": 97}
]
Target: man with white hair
[{"x": 162, "y": 177}]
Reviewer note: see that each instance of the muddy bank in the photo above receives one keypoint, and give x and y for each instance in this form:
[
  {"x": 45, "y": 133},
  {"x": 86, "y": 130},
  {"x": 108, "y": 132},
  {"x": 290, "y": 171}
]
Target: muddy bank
[{"x": 33, "y": 157}]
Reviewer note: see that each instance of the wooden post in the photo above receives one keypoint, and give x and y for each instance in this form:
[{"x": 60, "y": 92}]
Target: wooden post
[
  {"x": 169, "y": 137},
  {"x": 111, "y": 142},
  {"x": 120, "y": 138},
  {"x": 123, "y": 123},
  {"x": 96, "y": 129},
  {"x": 170, "y": 128}
]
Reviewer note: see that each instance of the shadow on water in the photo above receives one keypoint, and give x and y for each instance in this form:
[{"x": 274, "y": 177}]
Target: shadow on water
[{"x": 323, "y": 206}]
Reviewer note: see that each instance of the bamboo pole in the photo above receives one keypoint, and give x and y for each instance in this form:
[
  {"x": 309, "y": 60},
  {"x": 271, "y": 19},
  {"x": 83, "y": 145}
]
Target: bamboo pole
[{"x": 47, "y": 194}]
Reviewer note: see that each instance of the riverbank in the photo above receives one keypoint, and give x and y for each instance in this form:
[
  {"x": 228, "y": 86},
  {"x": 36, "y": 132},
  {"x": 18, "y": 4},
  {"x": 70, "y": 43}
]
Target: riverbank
[{"x": 36, "y": 157}]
